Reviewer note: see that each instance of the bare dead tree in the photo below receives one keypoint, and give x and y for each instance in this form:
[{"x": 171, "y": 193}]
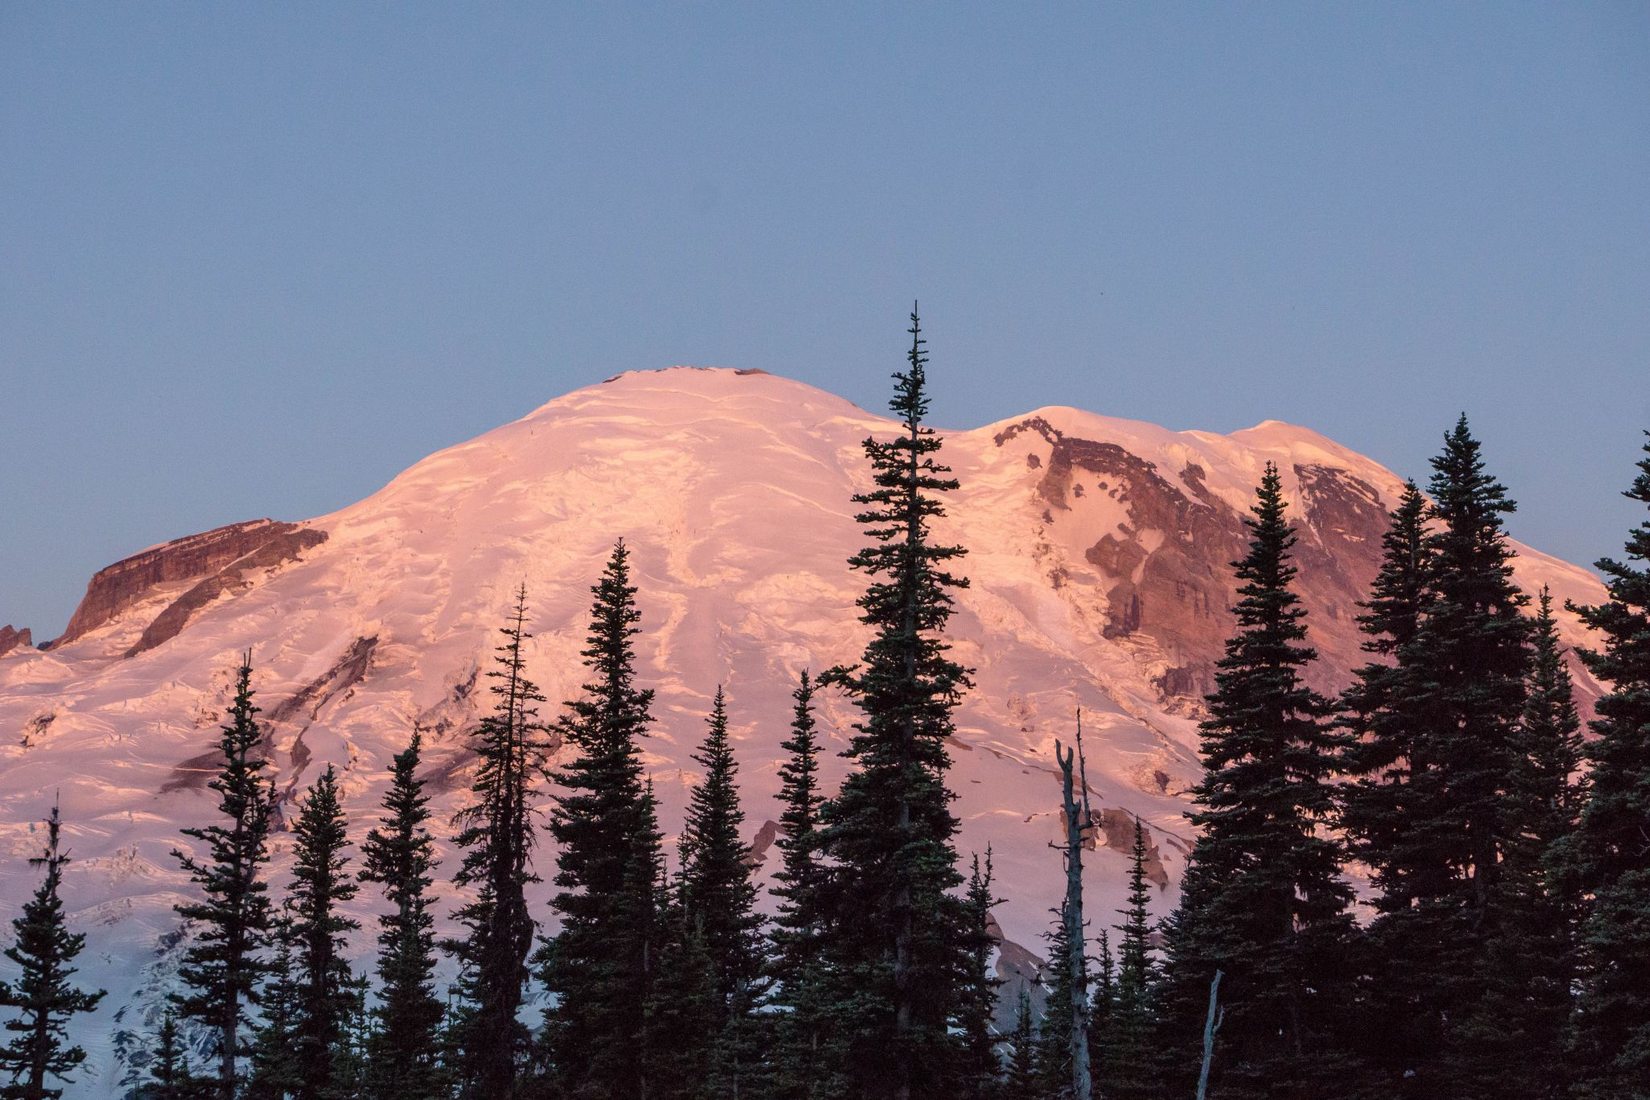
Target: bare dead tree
[
  {"x": 1078, "y": 818},
  {"x": 1216, "y": 1017}
]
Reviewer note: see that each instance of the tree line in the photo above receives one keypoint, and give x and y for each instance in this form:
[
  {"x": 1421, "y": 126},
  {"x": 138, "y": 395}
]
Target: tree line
[{"x": 1503, "y": 948}]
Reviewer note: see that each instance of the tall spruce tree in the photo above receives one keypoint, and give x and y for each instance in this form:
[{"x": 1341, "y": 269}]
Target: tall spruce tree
[
  {"x": 1263, "y": 898},
  {"x": 399, "y": 856},
  {"x": 1435, "y": 823},
  {"x": 897, "y": 930},
  {"x": 796, "y": 965},
  {"x": 599, "y": 966},
  {"x": 978, "y": 1069},
  {"x": 497, "y": 836},
  {"x": 222, "y": 968},
  {"x": 1127, "y": 1055},
  {"x": 719, "y": 896},
  {"x": 45, "y": 999},
  {"x": 1609, "y": 852},
  {"x": 1515, "y": 1033},
  {"x": 321, "y": 885}
]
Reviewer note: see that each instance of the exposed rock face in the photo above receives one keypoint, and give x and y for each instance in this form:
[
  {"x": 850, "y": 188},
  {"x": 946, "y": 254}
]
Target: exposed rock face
[
  {"x": 119, "y": 586},
  {"x": 12, "y": 639},
  {"x": 281, "y": 547}
]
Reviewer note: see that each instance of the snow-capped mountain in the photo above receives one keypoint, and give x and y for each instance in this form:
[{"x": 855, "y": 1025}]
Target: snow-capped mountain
[{"x": 1098, "y": 555}]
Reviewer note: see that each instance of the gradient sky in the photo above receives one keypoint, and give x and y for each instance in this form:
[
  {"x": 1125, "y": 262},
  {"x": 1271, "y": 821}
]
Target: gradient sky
[{"x": 256, "y": 259}]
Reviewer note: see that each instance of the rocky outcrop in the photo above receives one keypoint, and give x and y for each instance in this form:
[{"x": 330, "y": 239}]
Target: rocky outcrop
[
  {"x": 127, "y": 582},
  {"x": 275, "y": 551},
  {"x": 14, "y": 639}
]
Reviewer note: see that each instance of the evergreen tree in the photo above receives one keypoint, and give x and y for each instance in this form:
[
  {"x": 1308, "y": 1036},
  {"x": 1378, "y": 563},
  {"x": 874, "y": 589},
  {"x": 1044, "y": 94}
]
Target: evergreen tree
[
  {"x": 719, "y": 896},
  {"x": 1263, "y": 898},
  {"x": 1023, "y": 1081},
  {"x": 978, "y": 1068},
  {"x": 320, "y": 885},
  {"x": 685, "y": 1010},
  {"x": 1103, "y": 1016},
  {"x": 221, "y": 970},
  {"x": 1514, "y": 1035},
  {"x": 1438, "y": 826},
  {"x": 1054, "y": 1029},
  {"x": 796, "y": 967},
  {"x": 277, "y": 1069},
  {"x": 169, "y": 1077},
  {"x": 897, "y": 931},
  {"x": 1127, "y": 1057},
  {"x": 497, "y": 836},
  {"x": 399, "y": 856},
  {"x": 599, "y": 966},
  {"x": 1609, "y": 852},
  {"x": 45, "y": 999}
]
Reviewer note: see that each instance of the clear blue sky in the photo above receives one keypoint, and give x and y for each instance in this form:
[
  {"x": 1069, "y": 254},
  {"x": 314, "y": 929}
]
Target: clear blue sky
[{"x": 256, "y": 259}]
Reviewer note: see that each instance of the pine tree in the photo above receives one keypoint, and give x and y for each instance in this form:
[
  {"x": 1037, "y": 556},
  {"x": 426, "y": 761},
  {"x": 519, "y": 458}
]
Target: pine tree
[
  {"x": 399, "y": 856},
  {"x": 599, "y": 965},
  {"x": 897, "y": 931},
  {"x": 320, "y": 885},
  {"x": 497, "y": 836},
  {"x": 1263, "y": 898},
  {"x": 1127, "y": 1057},
  {"x": 718, "y": 894},
  {"x": 978, "y": 1068},
  {"x": 1437, "y": 829},
  {"x": 1609, "y": 852},
  {"x": 222, "y": 968},
  {"x": 685, "y": 1010},
  {"x": 45, "y": 999},
  {"x": 796, "y": 967}
]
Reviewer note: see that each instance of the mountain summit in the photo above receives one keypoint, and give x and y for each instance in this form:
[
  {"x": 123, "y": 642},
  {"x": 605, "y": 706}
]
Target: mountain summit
[{"x": 1099, "y": 554}]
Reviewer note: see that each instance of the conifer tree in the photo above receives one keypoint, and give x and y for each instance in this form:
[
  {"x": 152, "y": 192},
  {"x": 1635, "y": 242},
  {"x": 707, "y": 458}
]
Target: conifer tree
[
  {"x": 168, "y": 1071},
  {"x": 320, "y": 885},
  {"x": 719, "y": 896},
  {"x": 1262, "y": 898},
  {"x": 1054, "y": 1028},
  {"x": 896, "y": 928},
  {"x": 796, "y": 966},
  {"x": 399, "y": 856},
  {"x": 1514, "y": 1034},
  {"x": 977, "y": 1067},
  {"x": 1103, "y": 1014},
  {"x": 277, "y": 1070},
  {"x": 497, "y": 836},
  {"x": 1022, "y": 1080},
  {"x": 599, "y": 965},
  {"x": 45, "y": 999},
  {"x": 1435, "y": 825},
  {"x": 685, "y": 1011},
  {"x": 222, "y": 968},
  {"x": 1609, "y": 852},
  {"x": 1127, "y": 1057}
]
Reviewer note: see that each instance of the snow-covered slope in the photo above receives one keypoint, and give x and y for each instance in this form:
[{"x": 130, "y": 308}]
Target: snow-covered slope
[{"x": 1098, "y": 560}]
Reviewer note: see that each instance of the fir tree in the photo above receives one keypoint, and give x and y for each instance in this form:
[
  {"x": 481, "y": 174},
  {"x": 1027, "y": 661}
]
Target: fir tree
[
  {"x": 719, "y": 896},
  {"x": 685, "y": 1011},
  {"x": 168, "y": 1071},
  {"x": 1022, "y": 1081},
  {"x": 1609, "y": 852},
  {"x": 1437, "y": 834},
  {"x": 1103, "y": 1014},
  {"x": 977, "y": 1065},
  {"x": 221, "y": 970},
  {"x": 1054, "y": 1028},
  {"x": 1127, "y": 1056},
  {"x": 796, "y": 967},
  {"x": 320, "y": 885},
  {"x": 1263, "y": 898},
  {"x": 45, "y": 999},
  {"x": 277, "y": 1070},
  {"x": 897, "y": 931},
  {"x": 497, "y": 837},
  {"x": 399, "y": 856},
  {"x": 599, "y": 966}
]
